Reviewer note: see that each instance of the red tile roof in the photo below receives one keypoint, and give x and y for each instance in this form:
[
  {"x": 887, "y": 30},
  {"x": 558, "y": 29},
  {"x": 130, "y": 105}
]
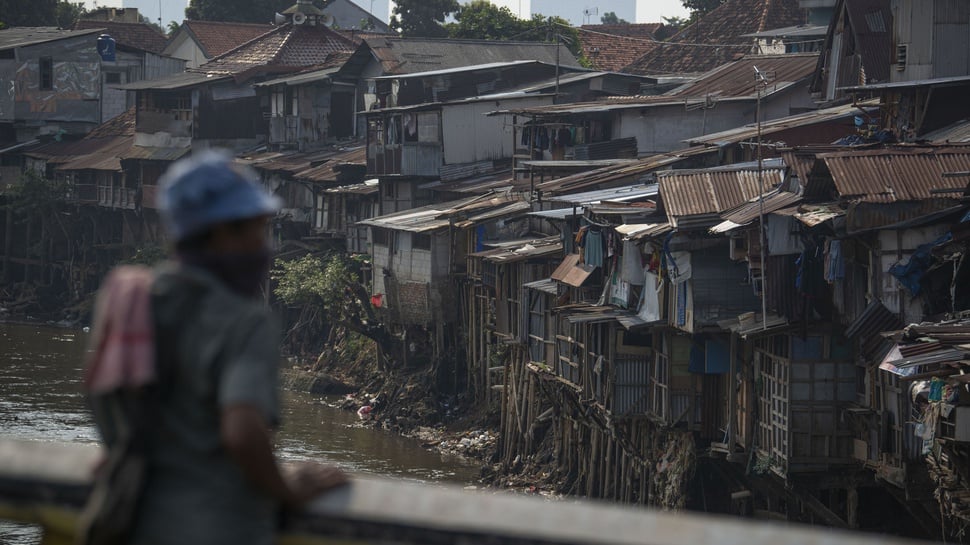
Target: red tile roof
[
  {"x": 218, "y": 38},
  {"x": 612, "y": 52},
  {"x": 133, "y": 35},
  {"x": 122, "y": 125},
  {"x": 717, "y": 38},
  {"x": 290, "y": 46}
]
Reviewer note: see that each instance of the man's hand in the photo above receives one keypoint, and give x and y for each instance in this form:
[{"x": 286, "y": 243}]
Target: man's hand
[{"x": 308, "y": 480}]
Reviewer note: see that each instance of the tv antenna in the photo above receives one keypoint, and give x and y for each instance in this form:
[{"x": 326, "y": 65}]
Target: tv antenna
[{"x": 589, "y": 12}]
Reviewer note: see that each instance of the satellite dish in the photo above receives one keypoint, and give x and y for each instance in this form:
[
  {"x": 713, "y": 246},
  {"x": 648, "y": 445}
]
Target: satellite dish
[
  {"x": 279, "y": 18},
  {"x": 299, "y": 18},
  {"x": 326, "y": 19}
]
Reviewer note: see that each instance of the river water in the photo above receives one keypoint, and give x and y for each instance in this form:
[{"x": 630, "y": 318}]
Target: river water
[{"x": 40, "y": 400}]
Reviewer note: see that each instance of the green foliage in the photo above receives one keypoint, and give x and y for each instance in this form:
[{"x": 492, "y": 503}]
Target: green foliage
[
  {"x": 311, "y": 280},
  {"x": 67, "y": 13},
  {"x": 237, "y": 11},
  {"x": 482, "y": 20},
  {"x": 674, "y": 24},
  {"x": 699, "y": 8},
  {"x": 610, "y": 18},
  {"x": 36, "y": 196},
  {"x": 173, "y": 28},
  {"x": 422, "y": 18},
  {"x": 27, "y": 12}
]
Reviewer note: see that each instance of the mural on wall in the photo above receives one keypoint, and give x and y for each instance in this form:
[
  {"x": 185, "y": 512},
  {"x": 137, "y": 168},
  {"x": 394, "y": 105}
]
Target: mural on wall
[{"x": 72, "y": 81}]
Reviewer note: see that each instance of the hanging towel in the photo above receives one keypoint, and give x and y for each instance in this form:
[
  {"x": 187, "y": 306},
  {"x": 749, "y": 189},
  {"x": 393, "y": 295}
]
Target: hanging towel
[
  {"x": 123, "y": 333},
  {"x": 649, "y": 310},
  {"x": 836, "y": 263},
  {"x": 631, "y": 268},
  {"x": 594, "y": 248}
]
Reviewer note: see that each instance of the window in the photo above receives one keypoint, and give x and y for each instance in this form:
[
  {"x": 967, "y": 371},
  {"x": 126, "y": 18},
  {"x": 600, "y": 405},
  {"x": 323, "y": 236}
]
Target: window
[
  {"x": 277, "y": 102},
  {"x": 420, "y": 242},
  {"x": 389, "y": 189},
  {"x": 112, "y": 77},
  {"x": 428, "y": 127},
  {"x": 380, "y": 236},
  {"x": 901, "y": 51},
  {"x": 46, "y": 73}
]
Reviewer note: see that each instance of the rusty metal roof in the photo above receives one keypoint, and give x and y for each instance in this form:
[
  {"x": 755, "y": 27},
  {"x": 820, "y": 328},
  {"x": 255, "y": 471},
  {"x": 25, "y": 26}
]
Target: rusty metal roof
[
  {"x": 747, "y": 132},
  {"x": 536, "y": 248},
  {"x": 898, "y": 174},
  {"x": 709, "y": 192},
  {"x": 367, "y": 188},
  {"x": 638, "y": 231},
  {"x": 957, "y": 133},
  {"x": 25, "y": 36},
  {"x": 107, "y": 156},
  {"x": 463, "y": 213},
  {"x": 409, "y": 55},
  {"x": 572, "y": 272},
  {"x": 736, "y": 79},
  {"x": 328, "y": 171},
  {"x": 154, "y": 154},
  {"x": 634, "y": 171},
  {"x": 749, "y": 211},
  {"x": 813, "y": 214}
]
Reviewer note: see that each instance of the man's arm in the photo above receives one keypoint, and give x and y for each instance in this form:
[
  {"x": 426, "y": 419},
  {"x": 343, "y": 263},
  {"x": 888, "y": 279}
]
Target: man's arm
[{"x": 246, "y": 437}]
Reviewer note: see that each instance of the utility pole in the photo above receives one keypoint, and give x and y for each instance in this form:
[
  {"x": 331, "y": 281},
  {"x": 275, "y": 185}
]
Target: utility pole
[{"x": 760, "y": 82}]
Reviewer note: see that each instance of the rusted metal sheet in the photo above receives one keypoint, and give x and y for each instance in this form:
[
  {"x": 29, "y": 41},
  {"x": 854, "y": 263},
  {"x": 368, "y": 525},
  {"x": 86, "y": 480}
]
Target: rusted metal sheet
[
  {"x": 751, "y": 210},
  {"x": 154, "y": 153},
  {"x": 898, "y": 174},
  {"x": 737, "y": 79},
  {"x": 440, "y": 216},
  {"x": 701, "y": 192},
  {"x": 768, "y": 128},
  {"x": 613, "y": 174}
]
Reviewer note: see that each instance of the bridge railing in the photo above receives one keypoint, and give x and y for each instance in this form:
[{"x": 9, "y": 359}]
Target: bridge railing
[{"x": 46, "y": 483}]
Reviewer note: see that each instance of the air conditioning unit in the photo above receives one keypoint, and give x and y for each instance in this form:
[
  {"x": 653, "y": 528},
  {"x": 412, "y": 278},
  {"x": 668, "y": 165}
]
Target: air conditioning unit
[{"x": 299, "y": 18}]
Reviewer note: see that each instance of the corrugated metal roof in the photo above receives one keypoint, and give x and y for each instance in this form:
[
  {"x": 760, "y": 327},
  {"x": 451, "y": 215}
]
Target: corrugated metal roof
[
  {"x": 736, "y": 79},
  {"x": 638, "y": 231},
  {"x": 572, "y": 272},
  {"x": 106, "y": 157},
  {"x": 154, "y": 154},
  {"x": 898, "y": 174},
  {"x": 874, "y": 320},
  {"x": 328, "y": 171},
  {"x": 813, "y": 214},
  {"x": 410, "y": 55},
  {"x": 440, "y": 216},
  {"x": 559, "y": 213},
  {"x": 703, "y": 192},
  {"x": 611, "y": 174},
  {"x": 957, "y": 133},
  {"x": 175, "y": 81},
  {"x": 521, "y": 252},
  {"x": 953, "y": 80},
  {"x": 751, "y": 210},
  {"x": 460, "y": 69},
  {"x": 747, "y": 132},
  {"x": 301, "y": 78},
  {"x": 547, "y": 285},
  {"x": 367, "y": 188},
  {"x": 617, "y": 194},
  {"x": 24, "y": 36}
]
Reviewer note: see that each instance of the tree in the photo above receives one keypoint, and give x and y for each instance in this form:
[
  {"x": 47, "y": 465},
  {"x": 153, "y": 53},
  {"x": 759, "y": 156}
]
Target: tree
[
  {"x": 173, "y": 28},
  {"x": 674, "y": 24},
  {"x": 422, "y": 18},
  {"x": 67, "y": 13},
  {"x": 482, "y": 20},
  {"x": 238, "y": 11},
  {"x": 331, "y": 295},
  {"x": 610, "y": 18},
  {"x": 28, "y": 12},
  {"x": 700, "y": 8}
]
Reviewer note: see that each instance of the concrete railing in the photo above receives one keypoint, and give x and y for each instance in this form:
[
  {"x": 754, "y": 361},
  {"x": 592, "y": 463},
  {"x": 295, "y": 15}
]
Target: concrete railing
[{"x": 45, "y": 483}]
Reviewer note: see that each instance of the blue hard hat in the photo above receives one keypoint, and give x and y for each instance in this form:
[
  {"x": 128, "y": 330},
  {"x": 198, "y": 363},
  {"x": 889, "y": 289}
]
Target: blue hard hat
[{"x": 207, "y": 189}]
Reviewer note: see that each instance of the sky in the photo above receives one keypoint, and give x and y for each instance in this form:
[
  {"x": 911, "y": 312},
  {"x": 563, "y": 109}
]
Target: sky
[{"x": 640, "y": 11}]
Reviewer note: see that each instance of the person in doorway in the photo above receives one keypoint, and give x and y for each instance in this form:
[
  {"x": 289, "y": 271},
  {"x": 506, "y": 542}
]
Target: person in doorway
[{"x": 194, "y": 334}]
